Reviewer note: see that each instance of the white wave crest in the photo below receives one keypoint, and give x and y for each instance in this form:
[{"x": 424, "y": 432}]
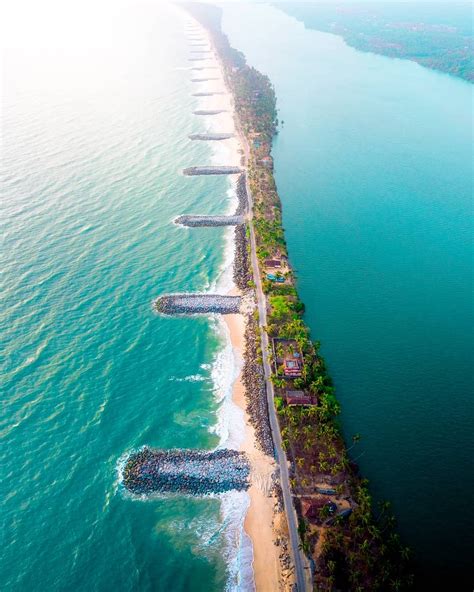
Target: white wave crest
[{"x": 191, "y": 378}]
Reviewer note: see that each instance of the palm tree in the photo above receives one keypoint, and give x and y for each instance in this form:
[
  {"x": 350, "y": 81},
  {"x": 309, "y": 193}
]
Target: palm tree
[
  {"x": 316, "y": 385},
  {"x": 384, "y": 506},
  {"x": 396, "y": 585},
  {"x": 323, "y": 466},
  {"x": 355, "y": 440},
  {"x": 405, "y": 552},
  {"x": 365, "y": 546},
  {"x": 280, "y": 351},
  {"x": 278, "y": 382},
  {"x": 305, "y": 546},
  {"x": 374, "y": 531}
]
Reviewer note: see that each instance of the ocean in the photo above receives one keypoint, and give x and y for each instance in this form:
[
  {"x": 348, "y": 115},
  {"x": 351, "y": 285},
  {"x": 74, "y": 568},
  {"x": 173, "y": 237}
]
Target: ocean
[
  {"x": 373, "y": 163},
  {"x": 373, "y": 168},
  {"x": 97, "y": 109}
]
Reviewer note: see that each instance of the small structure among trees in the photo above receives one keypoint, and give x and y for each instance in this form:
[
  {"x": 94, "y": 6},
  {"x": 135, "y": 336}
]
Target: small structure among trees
[
  {"x": 273, "y": 263},
  {"x": 266, "y": 161},
  {"x": 299, "y": 398},
  {"x": 316, "y": 509},
  {"x": 288, "y": 358}
]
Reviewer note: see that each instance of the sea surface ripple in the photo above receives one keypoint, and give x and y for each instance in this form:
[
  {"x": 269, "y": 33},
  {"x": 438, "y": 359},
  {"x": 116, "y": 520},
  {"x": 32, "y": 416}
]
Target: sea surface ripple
[{"x": 95, "y": 136}]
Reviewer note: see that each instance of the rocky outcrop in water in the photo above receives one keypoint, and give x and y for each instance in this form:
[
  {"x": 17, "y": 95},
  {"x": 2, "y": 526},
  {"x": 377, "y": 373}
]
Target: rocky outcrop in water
[
  {"x": 210, "y": 136},
  {"x": 255, "y": 391},
  {"x": 241, "y": 272},
  {"x": 212, "y": 170},
  {"x": 195, "y": 472},
  {"x": 195, "y": 221},
  {"x": 207, "y": 94},
  {"x": 209, "y": 111},
  {"x": 173, "y": 304},
  {"x": 241, "y": 190}
]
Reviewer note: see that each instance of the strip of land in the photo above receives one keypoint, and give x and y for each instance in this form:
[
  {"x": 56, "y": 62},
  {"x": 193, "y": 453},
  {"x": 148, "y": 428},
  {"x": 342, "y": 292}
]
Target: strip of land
[{"x": 329, "y": 513}]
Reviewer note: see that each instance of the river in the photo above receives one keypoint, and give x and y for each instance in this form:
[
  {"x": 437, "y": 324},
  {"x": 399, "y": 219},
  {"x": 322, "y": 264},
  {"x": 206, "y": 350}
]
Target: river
[{"x": 373, "y": 164}]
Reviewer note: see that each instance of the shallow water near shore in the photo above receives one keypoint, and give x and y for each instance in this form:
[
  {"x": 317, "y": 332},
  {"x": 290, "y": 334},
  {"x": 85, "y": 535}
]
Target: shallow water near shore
[
  {"x": 96, "y": 136},
  {"x": 374, "y": 168}
]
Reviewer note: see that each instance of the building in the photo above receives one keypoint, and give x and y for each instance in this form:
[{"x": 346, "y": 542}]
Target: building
[
  {"x": 299, "y": 398},
  {"x": 272, "y": 263},
  {"x": 311, "y": 507},
  {"x": 292, "y": 367},
  {"x": 287, "y": 353},
  {"x": 266, "y": 161}
]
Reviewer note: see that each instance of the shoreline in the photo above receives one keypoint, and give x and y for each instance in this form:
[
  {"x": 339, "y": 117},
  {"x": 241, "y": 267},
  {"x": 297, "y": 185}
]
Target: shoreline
[
  {"x": 335, "y": 539},
  {"x": 258, "y": 524}
]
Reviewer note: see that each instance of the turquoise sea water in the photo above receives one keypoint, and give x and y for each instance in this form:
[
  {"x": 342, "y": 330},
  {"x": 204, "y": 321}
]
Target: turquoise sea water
[
  {"x": 374, "y": 168},
  {"x": 96, "y": 116}
]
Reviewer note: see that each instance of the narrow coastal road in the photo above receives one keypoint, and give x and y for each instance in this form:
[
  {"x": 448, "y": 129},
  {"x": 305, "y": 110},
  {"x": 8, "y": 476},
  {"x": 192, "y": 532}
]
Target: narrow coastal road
[{"x": 302, "y": 569}]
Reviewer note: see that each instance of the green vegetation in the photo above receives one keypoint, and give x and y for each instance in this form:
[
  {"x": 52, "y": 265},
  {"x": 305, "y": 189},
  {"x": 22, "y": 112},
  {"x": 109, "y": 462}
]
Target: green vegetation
[
  {"x": 437, "y": 35},
  {"x": 359, "y": 550}
]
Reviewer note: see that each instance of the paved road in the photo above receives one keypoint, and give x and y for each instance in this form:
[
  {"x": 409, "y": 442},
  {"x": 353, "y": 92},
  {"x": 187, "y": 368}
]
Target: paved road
[{"x": 302, "y": 569}]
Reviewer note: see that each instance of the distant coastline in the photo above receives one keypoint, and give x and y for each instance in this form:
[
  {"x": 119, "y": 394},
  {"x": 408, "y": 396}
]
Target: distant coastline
[{"x": 438, "y": 38}]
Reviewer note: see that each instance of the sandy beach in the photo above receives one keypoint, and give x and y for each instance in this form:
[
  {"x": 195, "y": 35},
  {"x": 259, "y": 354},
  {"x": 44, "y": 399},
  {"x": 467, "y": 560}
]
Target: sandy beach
[{"x": 261, "y": 513}]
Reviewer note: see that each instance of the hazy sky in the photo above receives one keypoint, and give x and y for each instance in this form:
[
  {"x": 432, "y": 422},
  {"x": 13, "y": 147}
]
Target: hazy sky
[{"x": 335, "y": 2}]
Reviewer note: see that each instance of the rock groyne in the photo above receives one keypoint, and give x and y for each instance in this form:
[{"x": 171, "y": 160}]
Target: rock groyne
[
  {"x": 242, "y": 275},
  {"x": 255, "y": 392},
  {"x": 195, "y": 220},
  {"x": 206, "y": 93},
  {"x": 211, "y": 170},
  {"x": 175, "y": 304},
  {"x": 209, "y": 111},
  {"x": 206, "y": 137},
  {"x": 241, "y": 191},
  {"x": 192, "y": 472}
]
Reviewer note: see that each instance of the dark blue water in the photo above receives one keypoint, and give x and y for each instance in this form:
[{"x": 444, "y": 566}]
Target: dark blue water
[{"x": 374, "y": 168}]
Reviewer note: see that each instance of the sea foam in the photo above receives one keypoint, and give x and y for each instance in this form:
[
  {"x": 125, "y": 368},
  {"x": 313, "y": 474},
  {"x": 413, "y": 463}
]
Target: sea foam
[{"x": 230, "y": 425}]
